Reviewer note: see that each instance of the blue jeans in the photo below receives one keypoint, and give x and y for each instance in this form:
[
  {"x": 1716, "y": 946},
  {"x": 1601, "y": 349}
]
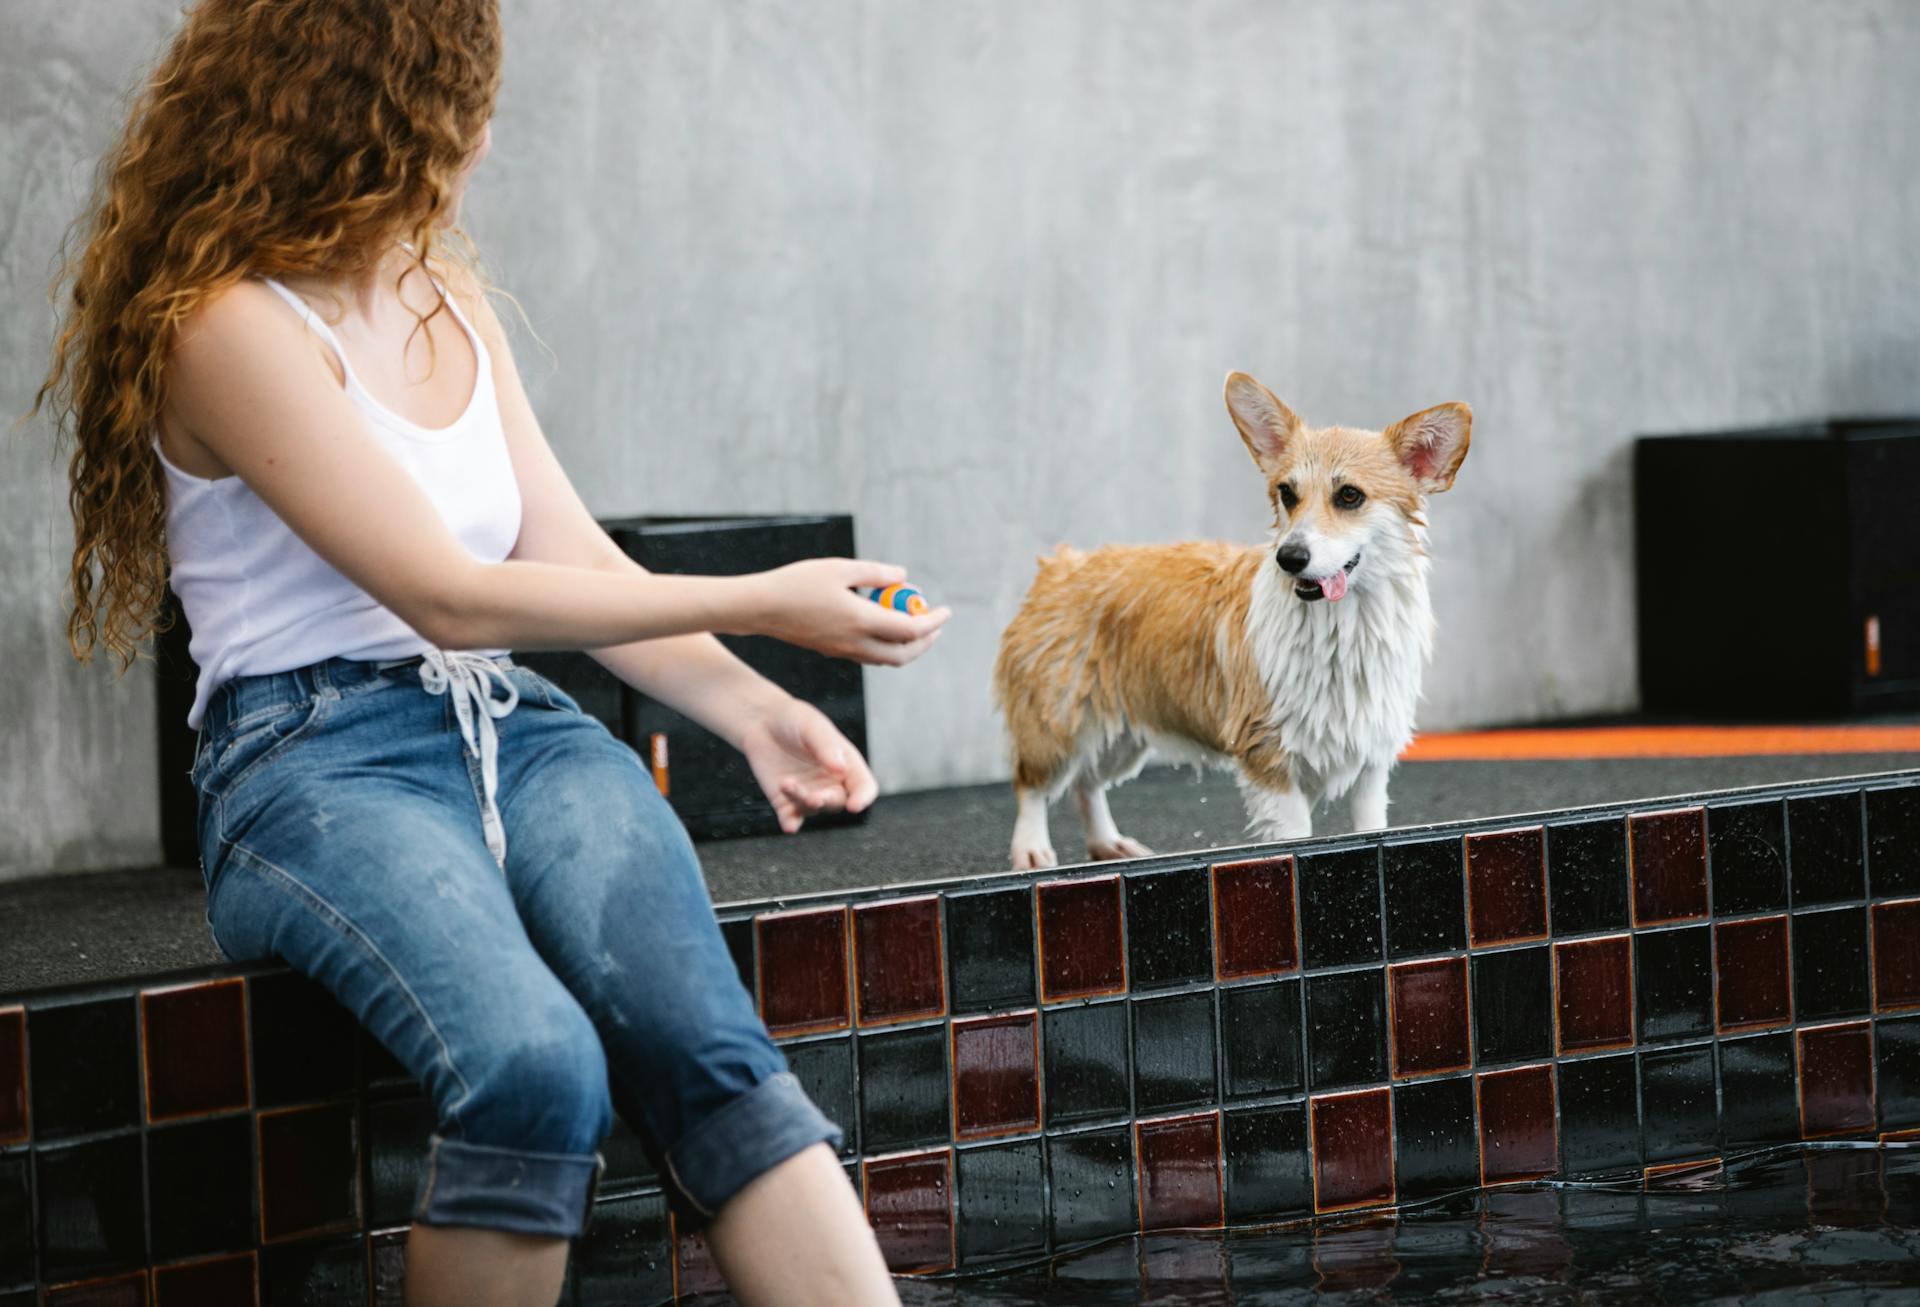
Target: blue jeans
[{"x": 341, "y": 830}]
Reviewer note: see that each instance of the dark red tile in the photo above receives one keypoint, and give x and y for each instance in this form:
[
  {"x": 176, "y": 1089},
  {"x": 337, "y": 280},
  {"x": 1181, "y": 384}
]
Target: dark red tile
[
  {"x": 996, "y": 1075},
  {"x": 1352, "y": 1150},
  {"x": 694, "y": 1270},
  {"x": 1427, "y": 1008},
  {"x": 217, "y": 1282},
  {"x": 114, "y": 1291},
  {"x": 1756, "y": 976},
  {"x": 1668, "y": 854},
  {"x": 896, "y": 953},
  {"x": 909, "y": 1205},
  {"x": 1594, "y": 996},
  {"x": 196, "y": 1049},
  {"x": 1080, "y": 949},
  {"x": 1253, "y": 918},
  {"x": 803, "y": 970},
  {"x": 1506, "y": 886},
  {"x": 14, "y": 1124},
  {"x": 1180, "y": 1172},
  {"x": 1836, "y": 1080},
  {"x": 1896, "y": 956},
  {"x": 1518, "y": 1140},
  {"x": 309, "y": 1171}
]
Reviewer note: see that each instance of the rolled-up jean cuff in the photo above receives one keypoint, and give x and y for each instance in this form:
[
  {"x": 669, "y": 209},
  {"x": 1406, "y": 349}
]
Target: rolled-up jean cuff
[
  {"x": 749, "y": 1136},
  {"x": 505, "y": 1189}
]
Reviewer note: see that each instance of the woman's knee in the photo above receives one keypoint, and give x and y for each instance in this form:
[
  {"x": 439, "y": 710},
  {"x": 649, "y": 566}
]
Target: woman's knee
[{"x": 540, "y": 1087}]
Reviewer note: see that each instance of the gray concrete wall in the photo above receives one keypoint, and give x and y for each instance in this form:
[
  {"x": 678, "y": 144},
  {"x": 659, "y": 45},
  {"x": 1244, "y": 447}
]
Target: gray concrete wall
[{"x": 974, "y": 271}]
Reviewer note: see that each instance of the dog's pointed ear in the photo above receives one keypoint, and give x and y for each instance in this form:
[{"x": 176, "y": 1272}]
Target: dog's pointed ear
[
  {"x": 1432, "y": 444},
  {"x": 1267, "y": 425}
]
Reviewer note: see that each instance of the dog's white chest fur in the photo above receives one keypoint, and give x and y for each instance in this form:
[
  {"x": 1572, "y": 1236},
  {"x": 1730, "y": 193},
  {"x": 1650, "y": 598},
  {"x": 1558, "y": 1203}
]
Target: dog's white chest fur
[{"x": 1344, "y": 677}]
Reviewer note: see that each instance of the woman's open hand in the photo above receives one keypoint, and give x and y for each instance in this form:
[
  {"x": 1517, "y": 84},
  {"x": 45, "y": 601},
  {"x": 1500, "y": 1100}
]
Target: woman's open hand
[
  {"x": 805, "y": 764},
  {"x": 813, "y": 604}
]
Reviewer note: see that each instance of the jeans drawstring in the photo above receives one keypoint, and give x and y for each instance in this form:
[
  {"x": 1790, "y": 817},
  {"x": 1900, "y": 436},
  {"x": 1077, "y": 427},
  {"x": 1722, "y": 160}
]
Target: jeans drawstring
[{"x": 467, "y": 679}]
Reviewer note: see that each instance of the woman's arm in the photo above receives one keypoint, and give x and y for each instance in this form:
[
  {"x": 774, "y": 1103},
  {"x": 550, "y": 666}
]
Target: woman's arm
[{"x": 244, "y": 382}]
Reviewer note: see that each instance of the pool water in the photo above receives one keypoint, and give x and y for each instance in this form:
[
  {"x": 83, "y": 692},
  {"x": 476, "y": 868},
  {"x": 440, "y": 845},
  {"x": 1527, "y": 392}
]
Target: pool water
[{"x": 1833, "y": 1224}]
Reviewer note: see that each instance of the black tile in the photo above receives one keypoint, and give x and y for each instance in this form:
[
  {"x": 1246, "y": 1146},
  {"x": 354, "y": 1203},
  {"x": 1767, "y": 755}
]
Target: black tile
[
  {"x": 1266, "y": 1152},
  {"x": 1001, "y": 1191},
  {"x": 1587, "y": 876},
  {"x": 1673, "y": 982},
  {"x": 1170, "y": 928},
  {"x": 1758, "y": 1091},
  {"x": 626, "y": 1255},
  {"x": 630, "y": 1164},
  {"x": 1599, "y": 1115},
  {"x": 1826, "y": 865},
  {"x": 1512, "y": 1004},
  {"x": 1340, "y": 907},
  {"x": 825, "y": 1070},
  {"x": 1092, "y": 1185},
  {"x": 313, "y": 1272},
  {"x": 990, "y": 950},
  {"x": 1747, "y": 843},
  {"x": 200, "y": 1187},
  {"x": 16, "y": 1220},
  {"x": 1433, "y": 1130},
  {"x": 739, "y": 937},
  {"x": 1897, "y": 1053},
  {"x": 1830, "y": 964},
  {"x": 903, "y": 1089},
  {"x": 1678, "y": 1112},
  {"x": 397, "y": 1135},
  {"x": 1260, "y": 1035},
  {"x": 23, "y": 1298},
  {"x": 1893, "y": 840},
  {"x": 1173, "y": 1052},
  {"x": 305, "y": 1045},
  {"x": 1088, "y": 1060},
  {"x": 380, "y": 1069},
  {"x": 1426, "y": 904},
  {"x": 1346, "y": 1029},
  {"x": 92, "y": 1217},
  {"x": 84, "y": 1068}
]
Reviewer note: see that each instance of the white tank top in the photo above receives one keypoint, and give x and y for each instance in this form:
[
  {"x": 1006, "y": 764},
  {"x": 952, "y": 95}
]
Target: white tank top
[{"x": 259, "y": 600}]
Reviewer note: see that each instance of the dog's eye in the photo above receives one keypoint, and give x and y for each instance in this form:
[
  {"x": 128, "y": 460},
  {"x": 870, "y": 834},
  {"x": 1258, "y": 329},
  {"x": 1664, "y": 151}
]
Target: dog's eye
[
  {"x": 1349, "y": 497},
  {"x": 1287, "y": 498}
]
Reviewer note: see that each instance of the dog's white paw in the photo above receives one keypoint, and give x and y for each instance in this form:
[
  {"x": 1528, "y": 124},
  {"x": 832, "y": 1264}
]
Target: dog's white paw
[
  {"x": 1120, "y": 846},
  {"x": 1034, "y": 857}
]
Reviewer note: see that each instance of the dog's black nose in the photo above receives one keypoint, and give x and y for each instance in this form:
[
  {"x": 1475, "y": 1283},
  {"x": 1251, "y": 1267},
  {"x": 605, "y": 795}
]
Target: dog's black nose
[{"x": 1293, "y": 558}]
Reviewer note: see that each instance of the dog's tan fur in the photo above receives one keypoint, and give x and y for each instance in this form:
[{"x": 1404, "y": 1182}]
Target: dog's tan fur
[{"x": 1154, "y": 640}]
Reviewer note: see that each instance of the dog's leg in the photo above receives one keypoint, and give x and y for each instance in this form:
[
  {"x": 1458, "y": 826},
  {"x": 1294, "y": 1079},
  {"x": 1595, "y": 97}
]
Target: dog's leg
[
  {"x": 1104, "y": 840},
  {"x": 1369, "y": 797},
  {"x": 1032, "y": 845}
]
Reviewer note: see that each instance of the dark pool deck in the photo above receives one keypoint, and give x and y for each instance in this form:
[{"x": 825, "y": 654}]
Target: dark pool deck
[{"x": 68, "y": 930}]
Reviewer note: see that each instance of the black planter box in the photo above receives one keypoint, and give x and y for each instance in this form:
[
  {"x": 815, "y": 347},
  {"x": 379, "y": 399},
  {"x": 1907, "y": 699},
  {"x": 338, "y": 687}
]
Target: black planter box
[
  {"x": 1779, "y": 569},
  {"x": 709, "y": 784}
]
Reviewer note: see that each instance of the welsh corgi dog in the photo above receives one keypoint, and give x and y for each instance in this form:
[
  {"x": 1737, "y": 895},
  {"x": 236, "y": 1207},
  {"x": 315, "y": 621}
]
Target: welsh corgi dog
[{"x": 1295, "y": 664}]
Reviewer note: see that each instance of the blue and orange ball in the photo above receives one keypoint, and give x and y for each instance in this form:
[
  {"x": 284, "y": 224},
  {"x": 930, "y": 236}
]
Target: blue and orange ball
[{"x": 900, "y": 598}]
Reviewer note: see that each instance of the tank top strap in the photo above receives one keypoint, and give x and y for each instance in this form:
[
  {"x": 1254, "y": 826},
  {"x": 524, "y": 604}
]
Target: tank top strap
[{"x": 316, "y": 323}]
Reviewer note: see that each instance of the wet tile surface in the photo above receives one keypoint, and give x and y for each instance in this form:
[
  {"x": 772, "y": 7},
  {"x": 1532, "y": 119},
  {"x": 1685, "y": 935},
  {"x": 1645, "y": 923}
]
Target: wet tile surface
[
  {"x": 1599, "y": 1114},
  {"x": 309, "y": 1171},
  {"x": 1517, "y": 1131},
  {"x": 1088, "y": 1056},
  {"x": 1434, "y": 1132},
  {"x": 1594, "y": 993},
  {"x": 1266, "y": 1161},
  {"x": 1353, "y": 1149},
  {"x": 1759, "y": 1100},
  {"x": 196, "y": 1049},
  {"x": 1677, "y": 1104},
  {"x": 91, "y": 1217},
  {"x": 1749, "y": 846},
  {"x": 200, "y": 1187},
  {"x": 1426, "y": 897},
  {"x": 1893, "y": 839},
  {"x": 996, "y": 1075},
  {"x": 210, "y": 1282},
  {"x": 1836, "y": 1079},
  {"x": 990, "y": 949},
  {"x": 1755, "y": 973},
  {"x": 1428, "y": 1005},
  {"x": 1896, "y": 955},
  {"x": 1830, "y": 977},
  {"x": 305, "y": 1045},
  {"x": 1171, "y": 942},
  {"x": 13, "y": 1075},
  {"x": 83, "y": 1067},
  {"x": 1674, "y": 982},
  {"x": 1173, "y": 1053},
  {"x": 1506, "y": 887},
  {"x": 1262, "y": 1049},
  {"x": 626, "y": 1255},
  {"x": 1340, "y": 907},
  {"x": 1897, "y": 1071},
  {"x": 898, "y": 965},
  {"x": 1180, "y": 1181},
  {"x": 1001, "y": 1197},
  {"x": 1513, "y": 1004},
  {"x": 803, "y": 970},
  {"x": 1346, "y": 1029},
  {"x": 1080, "y": 939},
  {"x": 909, "y": 1204},
  {"x": 1091, "y": 1178},
  {"x": 1826, "y": 842},
  {"x": 903, "y": 1089},
  {"x": 1668, "y": 855},
  {"x": 1254, "y": 918},
  {"x": 1587, "y": 875}
]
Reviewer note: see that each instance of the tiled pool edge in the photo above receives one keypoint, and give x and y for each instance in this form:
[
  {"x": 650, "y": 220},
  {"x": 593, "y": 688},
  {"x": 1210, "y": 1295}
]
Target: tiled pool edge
[{"x": 1335, "y": 1024}]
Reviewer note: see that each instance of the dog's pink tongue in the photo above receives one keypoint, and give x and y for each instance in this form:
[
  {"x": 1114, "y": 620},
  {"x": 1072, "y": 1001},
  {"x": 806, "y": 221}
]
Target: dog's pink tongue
[{"x": 1334, "y": 588}]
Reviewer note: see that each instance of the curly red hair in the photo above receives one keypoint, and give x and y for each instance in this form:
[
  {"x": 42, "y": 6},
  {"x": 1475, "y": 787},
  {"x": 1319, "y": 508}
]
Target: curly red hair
[{"x": 274, "y": 138}]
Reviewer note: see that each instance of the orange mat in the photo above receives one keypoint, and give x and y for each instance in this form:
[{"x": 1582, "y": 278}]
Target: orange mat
[{"x": 1660, "y": 742}]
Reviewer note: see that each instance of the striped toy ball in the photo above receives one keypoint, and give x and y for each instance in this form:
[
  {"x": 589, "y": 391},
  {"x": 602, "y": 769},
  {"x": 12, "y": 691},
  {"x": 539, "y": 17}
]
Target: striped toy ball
[{"x": 900, "y": 598}]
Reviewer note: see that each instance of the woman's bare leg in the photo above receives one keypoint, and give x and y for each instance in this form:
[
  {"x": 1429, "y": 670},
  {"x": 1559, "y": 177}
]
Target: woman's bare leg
[
  {"x": 451, "y": 1266},
  {"x": 796, "y": 1236}
]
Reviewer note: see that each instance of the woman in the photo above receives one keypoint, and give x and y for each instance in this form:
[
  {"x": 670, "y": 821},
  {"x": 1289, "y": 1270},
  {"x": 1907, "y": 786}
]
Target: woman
[{"x": 282, "y": 378}]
